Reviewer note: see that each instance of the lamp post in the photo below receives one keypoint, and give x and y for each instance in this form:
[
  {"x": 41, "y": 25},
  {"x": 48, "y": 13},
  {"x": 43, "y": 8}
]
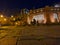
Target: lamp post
[{"x": 12, "y": 19}]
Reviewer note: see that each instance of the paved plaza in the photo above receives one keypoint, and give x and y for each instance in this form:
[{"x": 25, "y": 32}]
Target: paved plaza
[{"x": 30, "y": 35}]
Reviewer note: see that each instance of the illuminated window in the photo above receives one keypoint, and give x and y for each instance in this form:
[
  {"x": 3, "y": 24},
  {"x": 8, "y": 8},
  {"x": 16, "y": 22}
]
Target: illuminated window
[
  {"x": 52, "y": 9},
  {"x": 55, "y": 16}
]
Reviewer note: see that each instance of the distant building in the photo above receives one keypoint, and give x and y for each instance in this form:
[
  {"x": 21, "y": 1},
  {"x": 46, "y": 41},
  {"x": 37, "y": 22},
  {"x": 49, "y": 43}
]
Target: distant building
[{"x": 45, "y": 15}]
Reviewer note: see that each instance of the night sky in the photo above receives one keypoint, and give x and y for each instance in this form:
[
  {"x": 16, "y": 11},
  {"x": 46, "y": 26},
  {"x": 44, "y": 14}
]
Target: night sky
[{"x": 9, "y": 6}]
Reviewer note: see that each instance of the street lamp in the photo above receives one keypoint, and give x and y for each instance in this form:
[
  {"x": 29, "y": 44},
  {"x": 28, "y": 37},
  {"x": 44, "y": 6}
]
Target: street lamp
[
  {"x": 12, "y": 16},
  {"x": 1, "y": 16},
  {"x": 14, "y": 19},
  {"x": 5, "y": 19}
]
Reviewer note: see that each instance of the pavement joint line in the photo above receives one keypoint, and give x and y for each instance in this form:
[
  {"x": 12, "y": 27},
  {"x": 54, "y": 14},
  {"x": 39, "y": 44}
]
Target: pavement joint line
[
  {"x": 37, "y": 38},
  {"x": 3, "y": 37}
]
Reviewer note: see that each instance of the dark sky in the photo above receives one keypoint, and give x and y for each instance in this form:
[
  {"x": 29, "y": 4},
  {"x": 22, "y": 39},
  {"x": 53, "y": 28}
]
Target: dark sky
[{"x": 16, "y": 5}]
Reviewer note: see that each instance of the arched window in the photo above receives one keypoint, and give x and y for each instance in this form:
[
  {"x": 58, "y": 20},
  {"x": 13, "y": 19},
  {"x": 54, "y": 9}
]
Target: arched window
[
  {"x": 39, "y": 18},
  {"x": 55, "y": 17}
]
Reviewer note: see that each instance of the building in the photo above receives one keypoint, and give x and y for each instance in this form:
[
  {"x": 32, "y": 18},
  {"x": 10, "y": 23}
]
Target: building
[{"x": 48, "y": 14}]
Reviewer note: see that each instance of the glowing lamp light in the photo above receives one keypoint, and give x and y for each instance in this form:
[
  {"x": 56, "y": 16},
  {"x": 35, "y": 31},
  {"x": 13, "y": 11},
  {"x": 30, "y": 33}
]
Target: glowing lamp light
[
  {"x": 16, "y": 23},
  {"x": 37, "y": 11},
  {"x": 1, "y": 15},
  {"x": 12, "y": 16},
  {"x": 5, "y": 19}
]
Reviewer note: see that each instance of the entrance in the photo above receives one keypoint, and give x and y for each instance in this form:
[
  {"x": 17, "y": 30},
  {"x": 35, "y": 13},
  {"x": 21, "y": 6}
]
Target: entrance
[{"x": 38, "y": 18}]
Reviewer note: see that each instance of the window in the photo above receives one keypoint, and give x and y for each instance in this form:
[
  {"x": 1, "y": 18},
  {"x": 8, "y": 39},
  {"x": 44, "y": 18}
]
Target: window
[{"x": 55, "y": 16}]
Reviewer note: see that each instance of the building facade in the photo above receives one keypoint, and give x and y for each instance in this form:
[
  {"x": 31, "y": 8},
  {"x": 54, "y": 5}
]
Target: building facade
[{"x": 44, "y": 15}]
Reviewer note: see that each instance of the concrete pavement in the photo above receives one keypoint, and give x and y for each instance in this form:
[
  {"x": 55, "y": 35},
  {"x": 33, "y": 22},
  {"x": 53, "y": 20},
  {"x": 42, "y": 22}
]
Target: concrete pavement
[{"x": 31, "y": 35}]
